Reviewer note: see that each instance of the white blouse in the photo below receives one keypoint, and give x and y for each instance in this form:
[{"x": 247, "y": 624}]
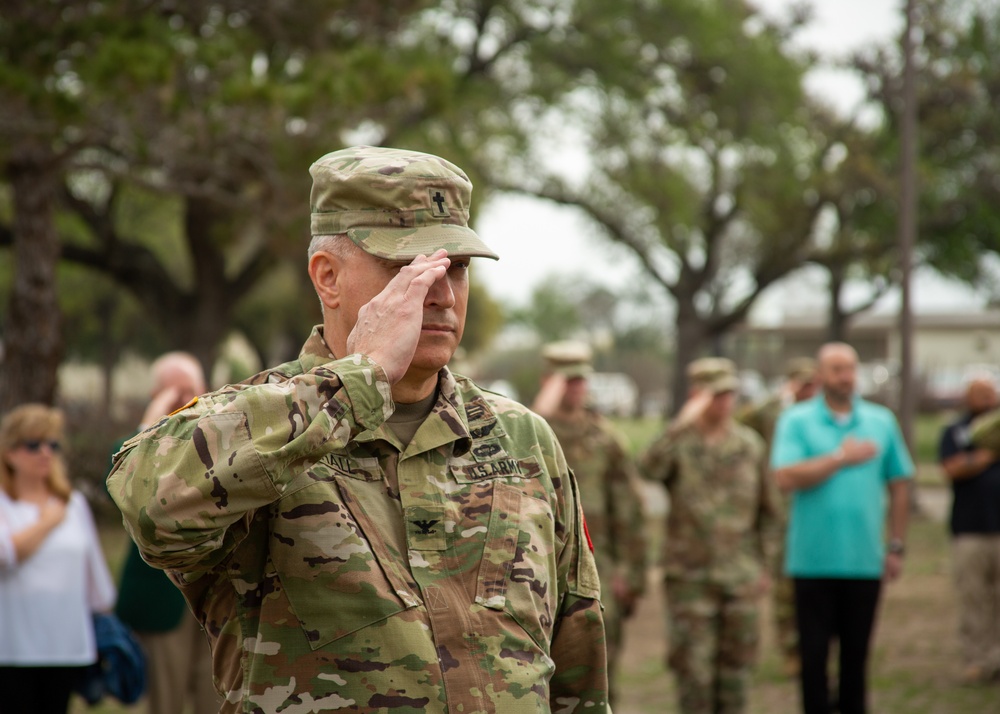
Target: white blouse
[{"x": 46, "y": 601}]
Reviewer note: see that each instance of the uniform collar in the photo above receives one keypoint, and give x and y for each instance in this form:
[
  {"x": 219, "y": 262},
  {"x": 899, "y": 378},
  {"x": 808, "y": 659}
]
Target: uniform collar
[
  {"x": 315, "y": 351},
  {"x": 452, "y": 420}
]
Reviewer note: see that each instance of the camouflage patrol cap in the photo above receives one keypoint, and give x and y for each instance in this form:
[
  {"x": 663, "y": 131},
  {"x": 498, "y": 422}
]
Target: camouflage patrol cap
[
  {"x": 802, "y": 369},
  {"x": 716, "y": 374},
  {"x": 393, "y": 203},
  {"x": 569, "y": 358}
]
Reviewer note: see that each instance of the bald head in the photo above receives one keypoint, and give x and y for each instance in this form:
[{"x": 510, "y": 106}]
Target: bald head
[
  {"x": 980, "y": 395},
  {"x": 181, "y": 371},
  {"x": 837, "y": 367}
]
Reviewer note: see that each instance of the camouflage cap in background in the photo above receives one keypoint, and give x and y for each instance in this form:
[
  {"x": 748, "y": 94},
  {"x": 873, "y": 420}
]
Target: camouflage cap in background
[
  {"x": 569, "y": 358},
  {"x": 802, "y": 369},
  {"x": 984, "y": 431},
  {"x": 393, "y": 203},
  {"x": 716, "y": 374}
]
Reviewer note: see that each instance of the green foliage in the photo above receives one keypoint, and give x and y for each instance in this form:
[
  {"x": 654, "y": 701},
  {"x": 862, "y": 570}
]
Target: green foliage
[
  {"x": 184, "y": 131},
  {"x": 181, "y": 132},
  {"x": 958, "y": 83},
  {"x": 553, "y": 312},
  {"x": 483, "y": 319}
]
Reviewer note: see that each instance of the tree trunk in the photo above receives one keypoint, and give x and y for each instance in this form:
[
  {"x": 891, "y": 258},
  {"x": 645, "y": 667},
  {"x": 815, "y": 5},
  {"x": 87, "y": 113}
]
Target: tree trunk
[
  {"x": 837, "y": 323},
  {"x": 691, "y": 337},
  {"x": 32, "y": 335},
  {"x": 206, "y": 318},
  {"x": 110, "y": 351}
]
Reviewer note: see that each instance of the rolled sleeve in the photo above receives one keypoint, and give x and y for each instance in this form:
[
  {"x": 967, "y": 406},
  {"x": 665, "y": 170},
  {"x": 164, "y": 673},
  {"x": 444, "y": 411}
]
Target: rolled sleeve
[{"x": 188, "y": 486}]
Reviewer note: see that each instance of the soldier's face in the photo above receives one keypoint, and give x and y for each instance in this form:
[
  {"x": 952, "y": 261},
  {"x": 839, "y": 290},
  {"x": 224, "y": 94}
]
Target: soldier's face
[
  {"x": 444, "y": 307},
  {"x": 721, "y": 407},
  {"x": 575, "y": 396}
]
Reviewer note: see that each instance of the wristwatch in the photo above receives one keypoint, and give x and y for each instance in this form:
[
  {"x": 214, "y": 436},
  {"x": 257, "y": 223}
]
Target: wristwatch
[{"x": 896, "y": 546}]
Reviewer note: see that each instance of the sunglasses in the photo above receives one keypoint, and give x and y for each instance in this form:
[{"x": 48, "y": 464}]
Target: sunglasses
[{"x": 35, "y": 445}]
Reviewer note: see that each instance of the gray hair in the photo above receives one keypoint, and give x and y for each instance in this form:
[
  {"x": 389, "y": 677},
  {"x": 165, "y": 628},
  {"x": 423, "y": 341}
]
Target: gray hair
[{"x": 338, "y": 243}]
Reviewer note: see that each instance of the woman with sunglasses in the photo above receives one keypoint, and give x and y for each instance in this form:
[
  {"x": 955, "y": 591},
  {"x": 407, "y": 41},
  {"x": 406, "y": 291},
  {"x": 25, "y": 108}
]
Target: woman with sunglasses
[{"x": 52, "y": 571}]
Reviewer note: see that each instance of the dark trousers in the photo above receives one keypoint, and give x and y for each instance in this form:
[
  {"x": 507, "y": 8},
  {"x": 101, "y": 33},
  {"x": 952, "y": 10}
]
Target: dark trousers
[
  {"x": 841, "y": 609},
  {"x": 37, "y": 690}
]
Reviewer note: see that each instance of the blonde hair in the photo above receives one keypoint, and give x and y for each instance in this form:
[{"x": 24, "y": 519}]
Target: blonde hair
[{"x": 26, "y": 423}]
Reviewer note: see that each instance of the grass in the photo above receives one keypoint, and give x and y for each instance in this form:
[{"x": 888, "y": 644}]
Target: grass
[{"x": 914, "y": 665}]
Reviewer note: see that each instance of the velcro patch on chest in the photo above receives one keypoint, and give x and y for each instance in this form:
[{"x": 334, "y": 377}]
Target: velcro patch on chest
[
  {"x": 482, "y": 421},
  {"x": 426, "y": 528},
  {"x": 497, "y": 468},
  {"x": 355, "y": 467}
]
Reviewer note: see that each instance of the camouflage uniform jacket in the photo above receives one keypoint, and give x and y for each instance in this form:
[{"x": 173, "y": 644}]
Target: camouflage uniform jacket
[
  {"x": 333, "y": 569},
  {"x": 762, "y": 417},
  {"x": 611, "y": 493},
  {"x": 724, "y": 523}
]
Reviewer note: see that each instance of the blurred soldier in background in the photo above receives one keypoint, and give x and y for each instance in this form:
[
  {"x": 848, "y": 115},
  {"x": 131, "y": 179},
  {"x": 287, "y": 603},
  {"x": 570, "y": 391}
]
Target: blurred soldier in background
[
  {"x": 800, "y": 384},
  {"x": 723, "y": 533},
  {"x": 178, "y": 658},
  {"x": 610, "y": 489},
  {"x": 974, "y": 473}
]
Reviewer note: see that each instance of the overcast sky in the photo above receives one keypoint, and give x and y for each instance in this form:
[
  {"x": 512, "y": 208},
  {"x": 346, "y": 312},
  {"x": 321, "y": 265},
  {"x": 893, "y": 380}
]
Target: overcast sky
[{"x": 536, "y": 239}]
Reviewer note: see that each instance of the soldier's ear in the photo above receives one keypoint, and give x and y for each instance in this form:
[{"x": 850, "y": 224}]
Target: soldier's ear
[{"x": 324, "y": 271}]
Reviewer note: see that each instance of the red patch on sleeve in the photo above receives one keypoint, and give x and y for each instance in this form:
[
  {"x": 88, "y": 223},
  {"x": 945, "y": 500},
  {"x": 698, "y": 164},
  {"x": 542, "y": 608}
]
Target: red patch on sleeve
[{"x": 586, "y": 532}]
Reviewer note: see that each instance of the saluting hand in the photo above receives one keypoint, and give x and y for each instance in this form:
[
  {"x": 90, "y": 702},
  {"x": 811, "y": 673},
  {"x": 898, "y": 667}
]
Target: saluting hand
[
  {"x": 388, "y": 327},
  {"x": 693, "y": 408}
]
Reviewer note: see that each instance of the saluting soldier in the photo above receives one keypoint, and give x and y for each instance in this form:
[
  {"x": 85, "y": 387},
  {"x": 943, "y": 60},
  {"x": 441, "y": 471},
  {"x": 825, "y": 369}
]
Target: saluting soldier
[
  {"x": 610, "y": 487},
  {"x": 723, "y": 531},
  {"x": 801, "y": 383},
  {"x": 361, "y": 528}
]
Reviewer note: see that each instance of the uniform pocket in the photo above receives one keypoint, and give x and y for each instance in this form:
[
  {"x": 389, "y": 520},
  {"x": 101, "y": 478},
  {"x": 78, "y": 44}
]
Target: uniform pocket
[
  {"x": 518, "y": 570},
  {"x": 329, "y": 559}
]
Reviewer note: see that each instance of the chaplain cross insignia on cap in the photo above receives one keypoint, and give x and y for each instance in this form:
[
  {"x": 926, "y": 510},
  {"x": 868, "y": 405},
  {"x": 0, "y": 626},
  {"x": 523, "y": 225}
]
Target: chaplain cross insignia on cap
[{"x": 437, "y": 198}]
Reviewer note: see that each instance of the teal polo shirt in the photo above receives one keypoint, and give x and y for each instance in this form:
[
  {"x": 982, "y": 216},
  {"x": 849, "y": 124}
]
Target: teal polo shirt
[{"x": 837, "y": 528}]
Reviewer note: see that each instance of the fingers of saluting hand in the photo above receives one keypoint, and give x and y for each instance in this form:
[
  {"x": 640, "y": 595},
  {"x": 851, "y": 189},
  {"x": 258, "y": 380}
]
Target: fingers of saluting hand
[{"x": 388, "y": 327}]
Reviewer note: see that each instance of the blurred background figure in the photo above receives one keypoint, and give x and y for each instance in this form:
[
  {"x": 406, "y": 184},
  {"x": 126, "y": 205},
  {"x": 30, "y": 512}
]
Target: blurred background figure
[
  {"x": 974, "y": 473},
  {"x": 610, "y": 489},
  {"x": 723, "y": 531},
  {"x": 53, "y": 575},
  {"x": 800, "y": 383},
  {"x": 846, "y": 463},
  {"x": 178, "y": 657}
]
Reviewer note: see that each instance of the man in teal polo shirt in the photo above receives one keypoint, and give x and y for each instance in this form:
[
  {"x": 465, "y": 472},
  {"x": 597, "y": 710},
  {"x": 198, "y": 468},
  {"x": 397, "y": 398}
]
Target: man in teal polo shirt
[{"x": 845, "y": 461}]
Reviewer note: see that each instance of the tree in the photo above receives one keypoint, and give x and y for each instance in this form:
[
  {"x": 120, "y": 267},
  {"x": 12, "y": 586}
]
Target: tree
[
  {"x": 703, "y": 159},
  {"x": 858, "y": 241},
  {"x": 33, "y": 344},
  {"x": 214, "y": 109},
  {"x": 553, "y": 311},
  {"x": 959, "y": 149}
]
